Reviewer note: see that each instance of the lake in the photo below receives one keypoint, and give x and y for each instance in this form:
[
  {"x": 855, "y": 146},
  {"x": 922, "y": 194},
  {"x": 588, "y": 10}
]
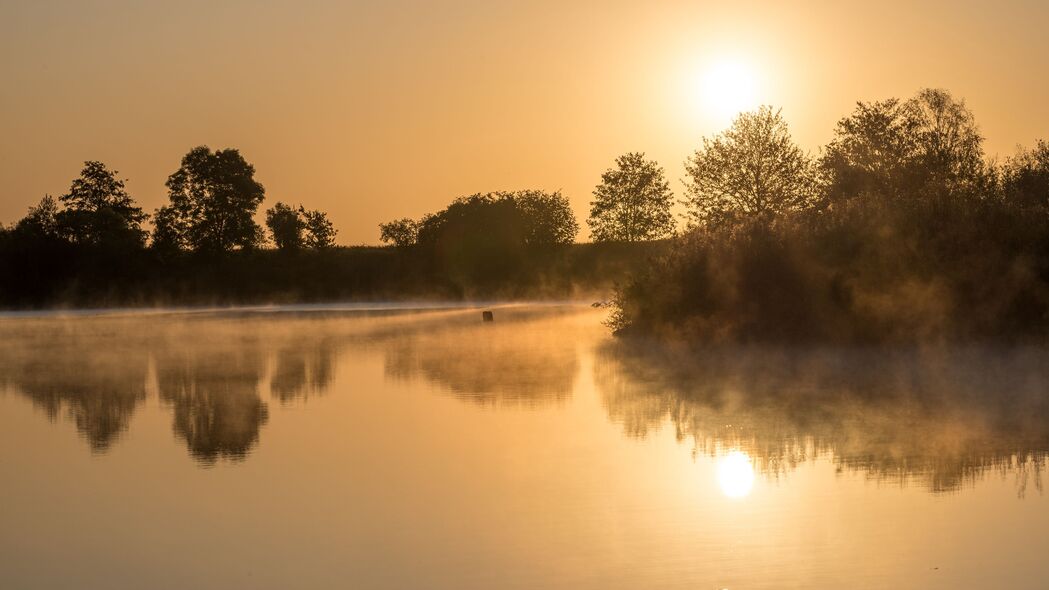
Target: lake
[{"x": 352, "y": 447}]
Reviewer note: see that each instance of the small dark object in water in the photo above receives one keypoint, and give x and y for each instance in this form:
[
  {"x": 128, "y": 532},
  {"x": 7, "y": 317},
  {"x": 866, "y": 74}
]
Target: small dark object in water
[{"x": 487, "y": 316}]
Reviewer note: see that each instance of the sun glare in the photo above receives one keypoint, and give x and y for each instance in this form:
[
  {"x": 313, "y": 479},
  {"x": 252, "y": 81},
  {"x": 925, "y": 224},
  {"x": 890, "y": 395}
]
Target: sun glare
[
  {"x": 727, "y": 88},
  {"x": 735, "y": 474}
]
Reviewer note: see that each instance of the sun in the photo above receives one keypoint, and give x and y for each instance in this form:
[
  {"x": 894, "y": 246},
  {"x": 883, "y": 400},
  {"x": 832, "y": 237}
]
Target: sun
[
  {"x": 735, "y": 474},
  {"x": 728, "y": 87}
]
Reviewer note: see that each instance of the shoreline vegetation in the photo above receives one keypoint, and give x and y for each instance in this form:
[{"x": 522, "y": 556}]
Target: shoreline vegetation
[
  {"x": 900, "y": 231},
  {"x": 338, "y": 274}
]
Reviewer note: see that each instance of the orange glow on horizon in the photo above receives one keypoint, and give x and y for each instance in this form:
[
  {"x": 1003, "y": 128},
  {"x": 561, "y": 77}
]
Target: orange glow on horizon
[{"x": 374, "y": 111}]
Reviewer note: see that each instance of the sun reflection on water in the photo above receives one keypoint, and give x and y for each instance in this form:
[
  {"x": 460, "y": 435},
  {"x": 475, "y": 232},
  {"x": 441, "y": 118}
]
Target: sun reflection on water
[{"x": 735, "y": 474}]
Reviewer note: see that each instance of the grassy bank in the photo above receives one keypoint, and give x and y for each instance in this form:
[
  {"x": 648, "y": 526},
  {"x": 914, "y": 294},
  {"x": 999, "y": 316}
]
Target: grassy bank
[{"x": 70, "y": 277}]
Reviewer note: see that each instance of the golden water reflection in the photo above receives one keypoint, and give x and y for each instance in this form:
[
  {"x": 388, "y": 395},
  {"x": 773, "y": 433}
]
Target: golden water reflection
[
  {"x": 938, "y": 418},
  {"x": 214, "y": 371},
  {"x": 735, "y": 474}
]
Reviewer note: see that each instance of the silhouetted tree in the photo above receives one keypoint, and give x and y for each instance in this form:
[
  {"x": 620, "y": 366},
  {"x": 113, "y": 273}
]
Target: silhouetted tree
[
  {"x": 293, "y": 229},
  {"x": 1025, "y": 177},
  {"x": 949, "y": 142},
  {"x": 214, "y": 196},
  {"x": 526, "y": 218},
  {"x": 98, "y": 210},
  {"x": 402, "y": 233},
  {"x": 286, "y": 226},
  {"x": 320, "y": 233},
  {"x": 35, "y": 259},
  {"x": 548, "y": 217},
  {"x": 169, "y": 232},
  {"x": 480, "y": 237},
  {"x": 486, "y": 237},
  {"x": 753, "y": 170},
  {"x": 872, "y": 152},
  {"x": 632, "y": 203},
  {"x": 41, "y": 220},
  {"x": 928, "y": 144}
]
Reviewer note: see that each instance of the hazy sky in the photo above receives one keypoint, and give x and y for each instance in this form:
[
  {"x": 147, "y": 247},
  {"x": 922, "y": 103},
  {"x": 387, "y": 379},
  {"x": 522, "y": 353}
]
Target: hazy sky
[{"x": 382, "y": 109}]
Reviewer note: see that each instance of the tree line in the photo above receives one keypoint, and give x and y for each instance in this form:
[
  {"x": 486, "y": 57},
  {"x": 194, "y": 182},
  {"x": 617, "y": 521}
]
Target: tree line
[
  {"x": 632, "y": 203},
  {"x": 751, "y": 170},
  {"x": 877, "y": 224},
  {"x": 213, "y": 198},
  {"x": 91, "y": 246},
  {"x": 899, "y": 229}
]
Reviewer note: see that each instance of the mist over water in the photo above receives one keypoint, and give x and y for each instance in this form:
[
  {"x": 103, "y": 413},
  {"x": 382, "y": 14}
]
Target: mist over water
[
  {"x": 379, "y": 447},
  {"x": 935, "y": 418}
]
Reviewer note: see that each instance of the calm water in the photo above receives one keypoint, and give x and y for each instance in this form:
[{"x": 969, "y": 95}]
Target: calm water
[{"x": 312, "y": 448}]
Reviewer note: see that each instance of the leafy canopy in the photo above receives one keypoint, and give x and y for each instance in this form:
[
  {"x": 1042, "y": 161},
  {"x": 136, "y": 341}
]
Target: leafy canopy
[
  {"x": 632, "y": 203},
  {"x": 893, "y": 148},
  {"x": 295, "y": 229},
  {"x": 214, "y": 196},
  {"x": 751, "y": 171},
  {"x": 98, "y": 210}
]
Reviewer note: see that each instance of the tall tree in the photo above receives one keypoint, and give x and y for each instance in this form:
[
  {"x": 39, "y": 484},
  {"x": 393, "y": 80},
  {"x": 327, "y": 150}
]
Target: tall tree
[
  {"x": 99, "y": 210},
  {"x": 632, "y": 203},
  {"x": 214, "y": 197},
  {"x": 892, "y": 149},
  {"x": 753, "y": 170},
  {"x": 872, "y": 152},
  {"x": 950, "y": 144}
]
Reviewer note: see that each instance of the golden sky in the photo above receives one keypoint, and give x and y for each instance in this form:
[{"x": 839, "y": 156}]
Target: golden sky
[{"x": 390, "y": 108}]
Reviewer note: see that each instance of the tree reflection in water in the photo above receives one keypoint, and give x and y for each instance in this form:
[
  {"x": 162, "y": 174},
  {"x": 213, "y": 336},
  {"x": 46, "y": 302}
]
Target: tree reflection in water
[
  {"x": 303, "y": 367},
  {"x": 211, "y": 369},
  {"x": 938, "y": 417},
  {"x": 98, "y": 391},
  {"x": 96, "y": 370},
  {"x": 215, "y": 397},
  {"x": 520, "y": 360},
  {"x": 941, "y": 418}
]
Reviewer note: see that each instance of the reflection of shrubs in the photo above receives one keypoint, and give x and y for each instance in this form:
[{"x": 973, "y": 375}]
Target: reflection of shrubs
[
  {"x": 525, "y": 358},
  {"x": 942, "y": 417}
]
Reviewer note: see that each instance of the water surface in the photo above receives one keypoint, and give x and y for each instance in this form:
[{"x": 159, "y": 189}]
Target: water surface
[{"x": 337, "y": 447}]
